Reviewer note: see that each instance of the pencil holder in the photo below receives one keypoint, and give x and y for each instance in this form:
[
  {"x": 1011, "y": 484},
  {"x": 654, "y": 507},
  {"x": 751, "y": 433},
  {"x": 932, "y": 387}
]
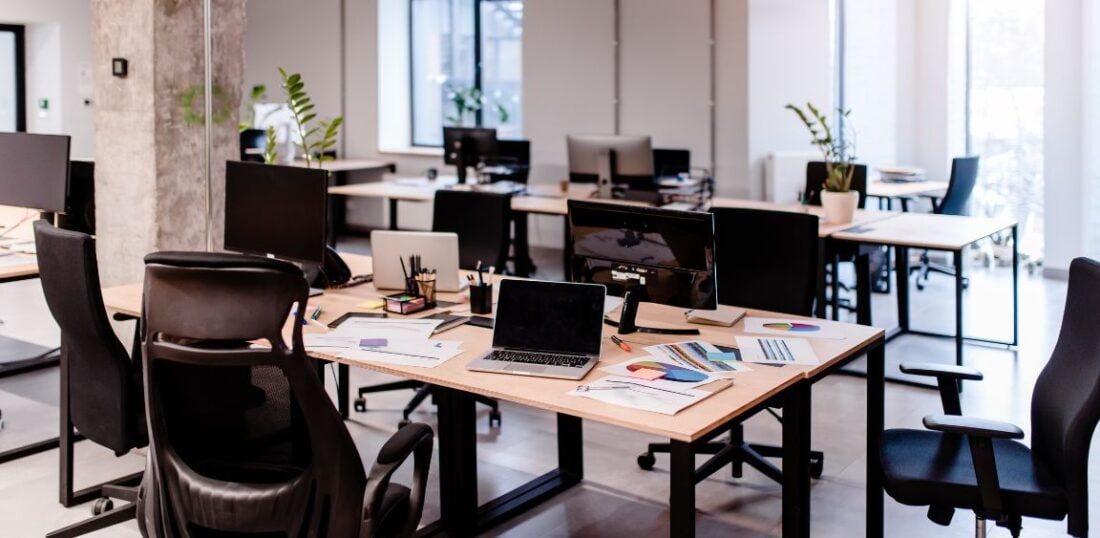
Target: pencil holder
[
  {"x": 427, "y": 289},
  {"x": 481, "y": 299}
]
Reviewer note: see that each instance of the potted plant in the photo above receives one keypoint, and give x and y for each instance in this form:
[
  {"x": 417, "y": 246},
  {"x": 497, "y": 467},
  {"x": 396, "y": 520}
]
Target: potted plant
[{"x": 839, "y": 155}]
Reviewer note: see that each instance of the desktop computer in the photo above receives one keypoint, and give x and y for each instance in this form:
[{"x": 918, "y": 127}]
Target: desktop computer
[
  {"x": 467, "y": 146},
  {"x": 623, "y": 161},
  {"x": 644, "y": 254},
  {"x": 35, "y": 171},
  {"x": 281, "y": 211}
]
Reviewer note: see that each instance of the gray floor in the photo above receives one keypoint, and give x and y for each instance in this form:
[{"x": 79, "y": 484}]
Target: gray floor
[{"x": 617, "y": 498}]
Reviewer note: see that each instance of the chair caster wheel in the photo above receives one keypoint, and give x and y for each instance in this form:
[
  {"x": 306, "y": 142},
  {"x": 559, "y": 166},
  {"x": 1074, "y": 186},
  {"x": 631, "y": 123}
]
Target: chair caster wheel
[
  {"x": 816, "y": 469},
  {"x": 920, "y": 286},
  {"x": 494, "y": 418},
  {"x": 646, "y": 460},
  {"x": 101, "y": 505},
  {"x": 404, "y": 422},
  {"x": 360, "y": 405}
]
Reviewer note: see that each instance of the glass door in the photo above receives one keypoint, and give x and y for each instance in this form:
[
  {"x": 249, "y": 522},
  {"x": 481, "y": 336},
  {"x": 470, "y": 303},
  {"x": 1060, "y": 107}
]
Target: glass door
[{"x": 13, "y": 113}]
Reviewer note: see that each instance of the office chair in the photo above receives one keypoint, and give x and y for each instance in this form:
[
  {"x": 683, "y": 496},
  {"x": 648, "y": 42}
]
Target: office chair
[
  {"x": 956, "y": 201},
  {"x": 816, "y": 174},
  {"x": 254, "y": 140},
  {"x": 244, "y": 441},
  {"x": 101, "y": 394},
  {"x": 671, "y": 162},
  {"x": 776, "y": 271},
  {"x": 516, "y": 155},
  {"x": 991, "y": 473}
]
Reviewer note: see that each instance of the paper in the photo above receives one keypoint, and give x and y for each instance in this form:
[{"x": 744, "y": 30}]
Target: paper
[
  {"x": 647, "y": 374},
  {"x": 640, "y": 394},
  {"x": 610, "y": 303},
  {"x": 14, "y": 260},
  {"x": 723, "y": 317},
  {"x": 694, "y": 354},
  {"x": 667, "y": 381},
  {"x": 777, "y": 350},
  {"x": 329, "y": 342},
  {"x": 427, "y": 354},
  {"x": 389, "y": 329},
  {"x": 802, "y": 328}
]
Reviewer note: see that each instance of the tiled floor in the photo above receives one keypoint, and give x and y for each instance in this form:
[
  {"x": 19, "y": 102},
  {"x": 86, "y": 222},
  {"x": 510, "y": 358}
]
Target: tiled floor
[{"x": 617, "y": 498}]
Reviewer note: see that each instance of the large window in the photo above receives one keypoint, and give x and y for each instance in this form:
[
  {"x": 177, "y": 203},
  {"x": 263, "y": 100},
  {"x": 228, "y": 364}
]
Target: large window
[
  {"x": 1005, "y": 112},
  {"x": 466, "y": 67},
  {"x": 12, "y": 85}
]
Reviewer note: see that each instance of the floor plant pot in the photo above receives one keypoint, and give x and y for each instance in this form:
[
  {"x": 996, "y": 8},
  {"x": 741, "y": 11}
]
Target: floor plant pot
[{"x": 840, "y": 207}]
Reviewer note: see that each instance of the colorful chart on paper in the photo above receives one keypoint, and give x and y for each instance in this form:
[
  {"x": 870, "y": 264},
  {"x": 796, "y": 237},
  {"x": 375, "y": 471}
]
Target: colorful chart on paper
[
  {"x": 671, "y": 371},
  {"x": 793, "y": 327}
]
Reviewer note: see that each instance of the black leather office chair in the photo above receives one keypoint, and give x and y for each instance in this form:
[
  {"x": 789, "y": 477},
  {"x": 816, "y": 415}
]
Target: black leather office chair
[
  {"x": 976, "y": 464},
  {"x": 671, "y": 162},
  {"x": 244, "y": 441},
  {"x": 101, "y": 394},
  {"x": 253, "y": 143},
  {"x": 956, "y": 201},
  {"x": 775, "y": 271}
]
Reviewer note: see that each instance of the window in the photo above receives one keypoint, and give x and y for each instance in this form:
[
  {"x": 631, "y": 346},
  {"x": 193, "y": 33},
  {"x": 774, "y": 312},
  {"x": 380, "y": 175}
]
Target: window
[
  {"x": 465, "y": 67},
  {"x": 12, "y": 83}
]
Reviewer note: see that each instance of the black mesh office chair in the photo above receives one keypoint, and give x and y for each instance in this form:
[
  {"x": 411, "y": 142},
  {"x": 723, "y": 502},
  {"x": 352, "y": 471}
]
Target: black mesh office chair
[
  {"x": 956, "y": 201},
  {"x": 976, "y": 464},
  {"x": 101, "y": 393},
  {"x": 775, "y": 271},
  {"x": 516, "y": 156},
  {"x": 244, "y": 441}
]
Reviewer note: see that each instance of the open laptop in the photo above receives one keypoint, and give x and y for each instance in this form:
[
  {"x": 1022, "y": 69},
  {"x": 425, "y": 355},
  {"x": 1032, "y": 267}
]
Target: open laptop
[
  {"x": 437, "y": 251},
  {"x": 547, "y": 329}
]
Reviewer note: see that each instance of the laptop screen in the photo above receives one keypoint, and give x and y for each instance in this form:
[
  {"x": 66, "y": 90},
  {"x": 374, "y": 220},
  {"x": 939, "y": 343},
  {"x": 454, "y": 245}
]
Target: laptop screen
[{"x": 557, "y": 317}]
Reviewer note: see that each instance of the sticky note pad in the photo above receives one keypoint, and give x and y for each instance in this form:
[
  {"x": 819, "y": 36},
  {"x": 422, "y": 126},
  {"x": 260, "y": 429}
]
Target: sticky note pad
[
  {"x": 373, "y": 342},
  {"x": 371, "y": 304},
  {"x": 720, "y": 356},
  {"x": 647, "y": 374}
]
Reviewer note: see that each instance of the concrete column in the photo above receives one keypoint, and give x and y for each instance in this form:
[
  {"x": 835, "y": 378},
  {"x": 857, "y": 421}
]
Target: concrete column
[{"x": 150, "y": 139}]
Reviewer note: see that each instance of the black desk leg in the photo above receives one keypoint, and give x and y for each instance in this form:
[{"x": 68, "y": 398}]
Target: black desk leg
[
  {"x": 958, "y": 306},
  {"x": 863, "y": 289},
  {"x": 1015, "y": 287},
  {"x": 681, "y": 490},
  {"x": 570, "y": 446},
  {"x": 876, "y": 402},
  {"x": 393, "y": 213},
  {"x": 835, "y": 288},
  {"x": 567, "y": 249},
  {"x": 457, "y": 461},
  {"x": 796, "y": 461},
  {"x": 343, "y": 388},
  {"x": 902, "y": 262},
  {"x": 824, "y": 245},
  {"x": 521, "y": 244}
]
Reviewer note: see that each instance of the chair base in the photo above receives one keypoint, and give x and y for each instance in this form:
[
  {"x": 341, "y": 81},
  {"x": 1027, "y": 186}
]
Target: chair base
[
  {"x": 104, "y": 514},
  {"x": 423, "y": 390},
  {"x": 736, "y": 455}
]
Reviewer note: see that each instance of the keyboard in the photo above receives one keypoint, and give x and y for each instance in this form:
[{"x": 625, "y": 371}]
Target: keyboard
[{"x": 547, "y": 359}]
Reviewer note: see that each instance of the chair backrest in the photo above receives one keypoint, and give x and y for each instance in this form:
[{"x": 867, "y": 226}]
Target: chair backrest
[
  {"x": 242, "y": 439},
  {"x": 670, "y": 162},
  {"x": 964, "y": 174},
  {"x": 103, "y": 383},
  {"x": 817, "y": 173},
  {"x": 1065, "y": 404},
  {"x": 253, "y": 139},
  {"x": 516, "y": 154},
  {"x": 483, "y": 222},
  {"x": 766, "y": 259}
]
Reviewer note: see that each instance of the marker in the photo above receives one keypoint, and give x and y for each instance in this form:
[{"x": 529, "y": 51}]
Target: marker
[
  {"x": 619, "y": 342},
  {"x": 316, "y": 314}
]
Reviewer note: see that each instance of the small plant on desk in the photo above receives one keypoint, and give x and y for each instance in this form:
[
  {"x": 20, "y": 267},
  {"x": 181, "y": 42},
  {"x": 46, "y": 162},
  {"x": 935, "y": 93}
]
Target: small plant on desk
[{"x": 839, "y": 156}]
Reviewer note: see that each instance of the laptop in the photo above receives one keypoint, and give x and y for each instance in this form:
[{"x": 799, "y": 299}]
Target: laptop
[
  {"x": 545, "y": 329},
  {"x": 437, "y": 251}
]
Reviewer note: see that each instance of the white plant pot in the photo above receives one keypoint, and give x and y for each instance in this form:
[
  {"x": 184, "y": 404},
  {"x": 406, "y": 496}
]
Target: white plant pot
[{"x": 840, "y": 207}]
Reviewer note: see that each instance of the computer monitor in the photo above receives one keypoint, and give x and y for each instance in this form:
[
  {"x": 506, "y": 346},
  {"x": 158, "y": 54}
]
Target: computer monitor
[
  {"x": 644, "y": 254},
  {"x": 611, "y": 160},
  {"x": 466, "y": 146},
  {"x": 34, "y": 171},
  {"x": 276, "y": 210}
]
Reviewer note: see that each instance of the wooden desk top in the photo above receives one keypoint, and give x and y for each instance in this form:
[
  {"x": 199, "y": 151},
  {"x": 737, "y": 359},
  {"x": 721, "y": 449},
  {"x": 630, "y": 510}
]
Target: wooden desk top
[
  {"x": 824, "y": 229},
  {"x": 883, "y": 189},
  {"x": 749, "y": 389},
  {"x": 927, "y": 230},
  {"x": 353, "y": 165},
  {"x": 10, "y": 216}
]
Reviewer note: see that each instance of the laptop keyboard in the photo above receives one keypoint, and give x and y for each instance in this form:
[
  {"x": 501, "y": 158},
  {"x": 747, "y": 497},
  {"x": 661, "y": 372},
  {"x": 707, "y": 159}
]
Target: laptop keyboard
[{"x": 547, "y": 359}]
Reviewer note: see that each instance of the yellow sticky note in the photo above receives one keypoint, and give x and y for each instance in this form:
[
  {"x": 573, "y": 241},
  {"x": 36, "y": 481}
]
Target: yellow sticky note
[{"x": 371, "y": 304}]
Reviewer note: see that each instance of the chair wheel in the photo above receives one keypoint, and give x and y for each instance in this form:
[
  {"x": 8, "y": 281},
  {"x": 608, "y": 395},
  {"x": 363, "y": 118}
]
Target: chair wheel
[
  {"x": 646, "y": 460},
  {"x": 360, "y": 405},
  {"x": 404, "y": 422},
  {"x": 920, "y": 285},
  {"x": 101, "y": 505},
  {"x": 494, "y": 418}
]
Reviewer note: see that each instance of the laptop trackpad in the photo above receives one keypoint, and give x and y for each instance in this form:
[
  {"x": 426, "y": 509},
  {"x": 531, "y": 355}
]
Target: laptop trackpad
[{"x": 525, "y": 368}]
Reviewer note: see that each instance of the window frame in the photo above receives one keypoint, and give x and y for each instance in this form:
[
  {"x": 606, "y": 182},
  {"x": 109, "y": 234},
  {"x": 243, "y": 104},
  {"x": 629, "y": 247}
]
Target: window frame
[{"x": 19, "y": 31}]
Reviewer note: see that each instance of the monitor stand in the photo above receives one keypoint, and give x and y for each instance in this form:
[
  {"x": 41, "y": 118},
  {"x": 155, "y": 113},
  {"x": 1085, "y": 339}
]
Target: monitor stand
[
  {"x": 628, "y": 324},
  {"x": 605, "y": 164}
]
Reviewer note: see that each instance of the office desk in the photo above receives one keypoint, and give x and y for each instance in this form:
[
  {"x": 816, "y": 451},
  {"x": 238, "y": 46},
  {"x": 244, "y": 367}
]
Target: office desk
[
  {"x": 933, "y": 232},
  {"x": 787, "y": 386},
  {"x": 888, "y": 191},
  {"x": 824, "y": 229}
]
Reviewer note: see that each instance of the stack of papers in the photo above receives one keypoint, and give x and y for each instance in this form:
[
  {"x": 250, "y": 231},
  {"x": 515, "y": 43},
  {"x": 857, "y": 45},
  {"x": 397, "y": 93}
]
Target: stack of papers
[
  {"x": 392, "y": 341},
  {"x": 697, "y": 355},
  {"x": 655, "y": 396},
  {"x": 803, "y": 328},
  {"x": 777, "y": 350}
]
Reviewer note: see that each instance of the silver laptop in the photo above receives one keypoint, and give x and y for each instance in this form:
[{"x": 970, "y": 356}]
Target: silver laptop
[
  {"x": 437, "y": 251},
  {"x": 547, "y": 329}
]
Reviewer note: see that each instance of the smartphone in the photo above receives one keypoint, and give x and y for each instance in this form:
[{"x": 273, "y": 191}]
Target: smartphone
[{"x": 481, "y": 321}]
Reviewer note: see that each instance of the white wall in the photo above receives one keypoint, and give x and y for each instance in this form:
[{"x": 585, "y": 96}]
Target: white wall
[{"x": 58, "y": 44}]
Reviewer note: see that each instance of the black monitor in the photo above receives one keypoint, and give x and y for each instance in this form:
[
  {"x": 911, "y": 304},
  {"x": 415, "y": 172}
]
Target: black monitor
[
  {"x": 467, "y": 146},
  {"x": 644, "y": 254},
  {"x": 276, "y": 210},
  {"x": 34, "y": 171}
]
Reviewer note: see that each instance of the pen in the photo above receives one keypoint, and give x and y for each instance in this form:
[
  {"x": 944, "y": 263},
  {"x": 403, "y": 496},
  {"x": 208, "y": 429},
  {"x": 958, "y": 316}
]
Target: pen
[
  {"x": 403, "y": 271},
  {"x": 316, "y": 314},
  {"x": 619, "y": 342}
]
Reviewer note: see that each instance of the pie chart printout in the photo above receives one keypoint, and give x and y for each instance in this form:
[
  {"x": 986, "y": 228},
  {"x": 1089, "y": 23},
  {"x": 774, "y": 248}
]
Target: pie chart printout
[{"x": 671, "y": 371}]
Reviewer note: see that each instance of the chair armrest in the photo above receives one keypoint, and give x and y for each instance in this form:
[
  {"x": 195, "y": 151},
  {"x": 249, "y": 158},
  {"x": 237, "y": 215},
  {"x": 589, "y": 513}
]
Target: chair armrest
[
  {"x": 416, "y": 440},
  {"x": 941, "y": 370},
  {"x": 979, "y": 427}
]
